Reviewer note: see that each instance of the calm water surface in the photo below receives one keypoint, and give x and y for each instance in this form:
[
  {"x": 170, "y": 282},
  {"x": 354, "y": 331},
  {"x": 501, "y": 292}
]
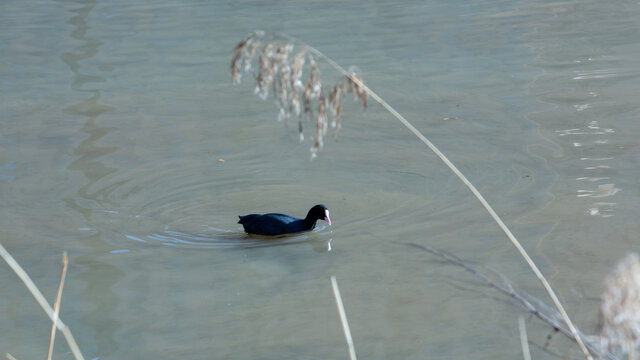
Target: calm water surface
[{"x": 113, "y": 116}]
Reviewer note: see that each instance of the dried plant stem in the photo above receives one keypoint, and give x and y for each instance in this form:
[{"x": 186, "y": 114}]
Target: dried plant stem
[
  {"x": 523, "y": 338},
  {"x": 509, "y": 291},
  {"x": 56, "y": 305},
  {"x": 469, "y": 185},
  {"x": 343, "y": 318},
  {"x": 37, "y": 294},
  {"x": 10, "y": 357}
]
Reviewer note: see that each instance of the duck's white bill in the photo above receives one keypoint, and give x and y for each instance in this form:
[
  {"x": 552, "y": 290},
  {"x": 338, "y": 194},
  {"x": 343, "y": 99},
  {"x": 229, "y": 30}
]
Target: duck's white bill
[{"x": 326, "y": 217}]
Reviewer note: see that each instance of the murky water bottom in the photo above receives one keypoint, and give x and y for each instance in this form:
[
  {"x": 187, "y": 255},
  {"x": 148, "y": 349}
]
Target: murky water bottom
[{"x": 123, "y": 142}]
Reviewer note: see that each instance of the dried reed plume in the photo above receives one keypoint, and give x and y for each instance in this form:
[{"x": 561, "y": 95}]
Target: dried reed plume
[
  {"x": 356, "y": 88},
  {"x": 336, "y": 107},
  {"x": 620, "y": 308},
  {"x": 281, "y": 71}
]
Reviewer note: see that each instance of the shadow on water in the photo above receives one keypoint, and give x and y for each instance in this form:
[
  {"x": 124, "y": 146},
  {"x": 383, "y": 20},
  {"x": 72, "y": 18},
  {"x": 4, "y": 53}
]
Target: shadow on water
[{"x": 215, "y": 238}]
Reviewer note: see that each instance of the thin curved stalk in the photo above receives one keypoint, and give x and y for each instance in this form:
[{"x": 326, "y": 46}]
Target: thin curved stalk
[
  {"x": 56, "y": 304},
  {"x": 343, "y": 318},
  {"x": 505, "y": 287},
  {"x": 468, "y": 184},
  {"x": 13, "y": 264},
  {"x": 524, "y": 341}
]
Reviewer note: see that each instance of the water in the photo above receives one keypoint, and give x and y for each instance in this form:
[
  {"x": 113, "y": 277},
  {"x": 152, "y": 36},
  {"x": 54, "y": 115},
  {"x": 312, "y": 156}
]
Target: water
[{"x": 113, "y": 117}]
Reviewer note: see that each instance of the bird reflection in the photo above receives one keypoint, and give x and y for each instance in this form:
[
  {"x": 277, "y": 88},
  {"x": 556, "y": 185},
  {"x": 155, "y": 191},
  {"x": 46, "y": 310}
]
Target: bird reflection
[{"x": 216, "y": 238}]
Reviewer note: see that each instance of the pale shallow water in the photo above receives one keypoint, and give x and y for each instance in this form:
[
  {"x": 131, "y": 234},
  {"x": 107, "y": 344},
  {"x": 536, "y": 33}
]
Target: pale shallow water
[{"x": 113, "y": 117}]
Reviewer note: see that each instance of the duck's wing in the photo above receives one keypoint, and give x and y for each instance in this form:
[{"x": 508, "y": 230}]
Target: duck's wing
[
  {"x": 271, "y": 224},
  {"x": 281, "y": 218}
]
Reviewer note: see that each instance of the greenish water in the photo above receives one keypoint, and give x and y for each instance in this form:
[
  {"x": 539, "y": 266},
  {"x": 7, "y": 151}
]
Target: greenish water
[{"x": 113, "y": 116}]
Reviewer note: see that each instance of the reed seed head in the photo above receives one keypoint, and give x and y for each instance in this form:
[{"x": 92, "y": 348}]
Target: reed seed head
[
  {"x": 296, "y": 70},
  {"x": 620, "y": 307},
  {"x": 243, "y": 54},
  {"x": 355, "y": 81},
  {"x": 281, "y": 71},
  {"x": 335, "y": 107}
]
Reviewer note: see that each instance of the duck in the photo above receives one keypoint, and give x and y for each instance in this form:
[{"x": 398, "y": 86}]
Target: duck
[{"x": 273, "y": 224}]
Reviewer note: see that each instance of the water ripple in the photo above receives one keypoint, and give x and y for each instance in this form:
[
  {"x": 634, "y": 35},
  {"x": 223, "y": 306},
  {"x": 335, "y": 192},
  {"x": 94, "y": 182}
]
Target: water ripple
[
  {"x": 215, "y": 238},
  {"x": 595, "y": 165}
]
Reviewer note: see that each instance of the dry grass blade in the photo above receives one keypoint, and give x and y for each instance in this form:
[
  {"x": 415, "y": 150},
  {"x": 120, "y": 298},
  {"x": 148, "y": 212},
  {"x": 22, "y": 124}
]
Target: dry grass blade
[
  {"x": 56, "y": 305},
  {"x": 37, "y": 294},
  {"x": 553, "y": 320},
  {"x": 524, "y": 342},
  {"x": 343, "y": 318},
  {"x": 10, "y": 357}
]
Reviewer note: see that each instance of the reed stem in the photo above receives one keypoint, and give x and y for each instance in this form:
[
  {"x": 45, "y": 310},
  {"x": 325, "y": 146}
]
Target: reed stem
[
  {"x": 524, "y": 342},
  {"x": 505, "y": 287},
  {"x": 343, "y": 318},
  {"x": 56, "y": 305},
  {"x": 37, "y": 294},
  {"x": 468, "y": 184}
]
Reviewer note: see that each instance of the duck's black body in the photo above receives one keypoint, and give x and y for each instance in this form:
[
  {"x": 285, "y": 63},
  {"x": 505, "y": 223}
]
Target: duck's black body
[{"x": 279, "y": 224}]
